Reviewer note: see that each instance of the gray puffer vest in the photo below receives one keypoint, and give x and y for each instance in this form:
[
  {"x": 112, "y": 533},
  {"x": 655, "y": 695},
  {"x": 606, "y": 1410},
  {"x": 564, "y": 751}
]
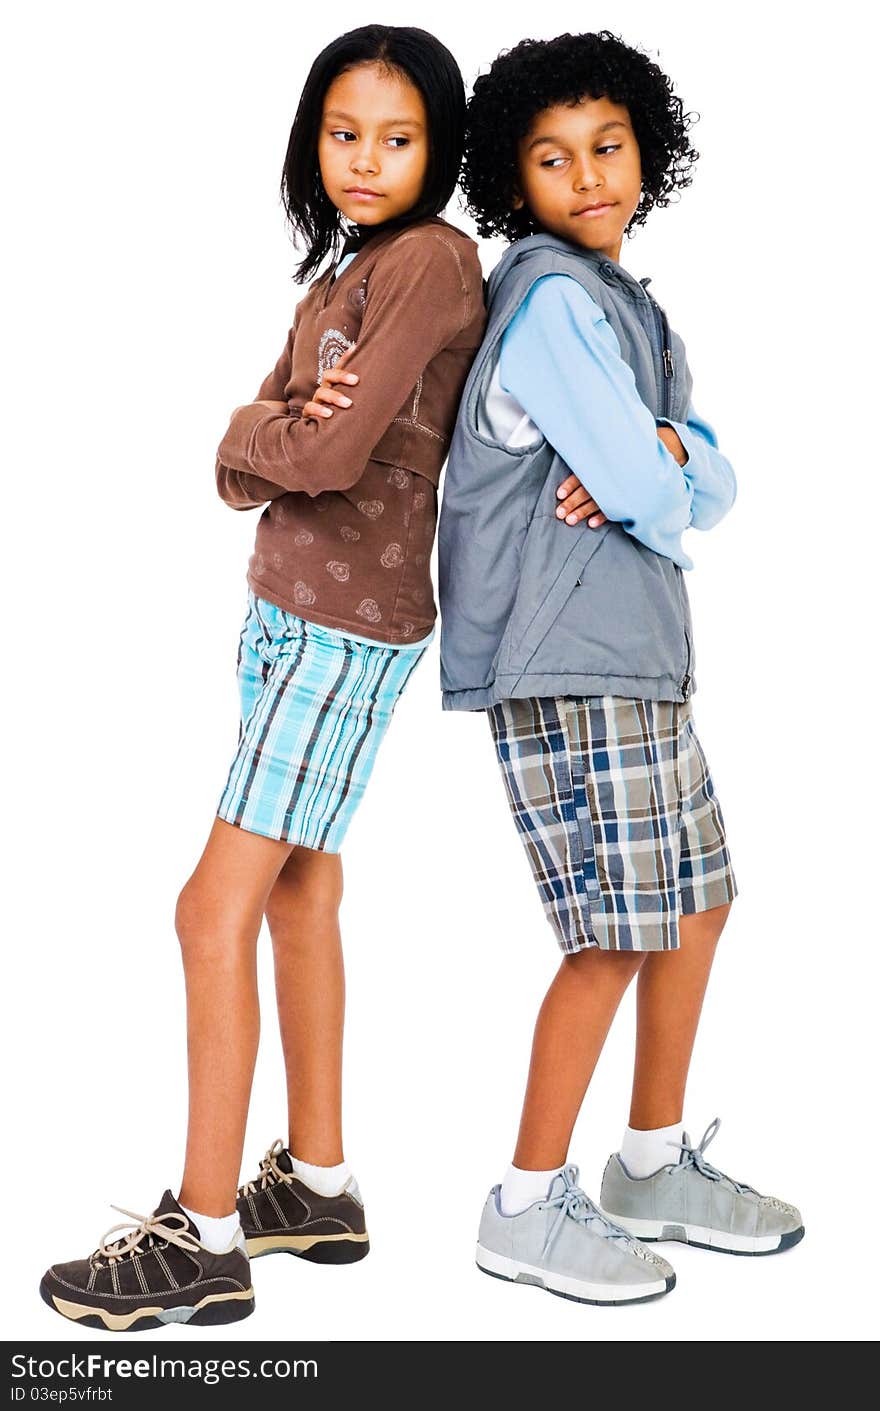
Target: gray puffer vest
[{"x": 529, "y": 605}]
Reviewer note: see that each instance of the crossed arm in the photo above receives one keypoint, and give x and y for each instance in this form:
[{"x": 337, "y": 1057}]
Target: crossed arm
[
  {"x": 559, "y": 355},
  {"x": 417, "y": 304},
  {"x": 655, "y": 477}
]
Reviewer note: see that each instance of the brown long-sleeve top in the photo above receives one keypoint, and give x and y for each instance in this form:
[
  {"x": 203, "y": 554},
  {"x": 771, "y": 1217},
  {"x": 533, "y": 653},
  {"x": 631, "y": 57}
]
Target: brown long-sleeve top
[{"x": 346, "y": 538}]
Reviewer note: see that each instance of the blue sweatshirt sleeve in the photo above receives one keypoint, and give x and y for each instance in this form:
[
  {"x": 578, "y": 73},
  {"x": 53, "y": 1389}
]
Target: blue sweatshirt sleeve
[
  {"x": 709, "y": 473},
  {"x": 561, "y": 360}
]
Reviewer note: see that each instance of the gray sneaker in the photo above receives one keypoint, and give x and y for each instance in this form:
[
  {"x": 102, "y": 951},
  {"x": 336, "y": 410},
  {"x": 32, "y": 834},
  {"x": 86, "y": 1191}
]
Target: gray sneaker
[
  {"x": 691, "y": 1202},
  {"x": 565, "y": 1245}
]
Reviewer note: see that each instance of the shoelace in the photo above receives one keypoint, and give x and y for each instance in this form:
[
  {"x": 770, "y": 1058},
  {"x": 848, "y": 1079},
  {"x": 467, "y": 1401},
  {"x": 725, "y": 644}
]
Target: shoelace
[
  {"x": 151, "y": 1228},
  {"x": 270, "y": 1172},
  {"x": 693, "y": 1157},
  {"x": 574, "y": 1204}
]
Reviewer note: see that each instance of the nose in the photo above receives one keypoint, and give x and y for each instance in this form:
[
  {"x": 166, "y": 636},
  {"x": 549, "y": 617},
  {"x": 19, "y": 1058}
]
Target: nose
[
  {"x": 364, "y": 160},
  {"x": 585, "y": 175}
]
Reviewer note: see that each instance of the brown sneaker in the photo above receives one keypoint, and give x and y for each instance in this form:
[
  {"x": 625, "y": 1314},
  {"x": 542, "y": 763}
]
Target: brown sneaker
[
  {"x": 280, "y": 1214},
  {"x": 157, "y": 1273}
]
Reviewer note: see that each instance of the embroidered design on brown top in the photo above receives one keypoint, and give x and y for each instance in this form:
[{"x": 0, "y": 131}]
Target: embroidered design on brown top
[{"x": 331, "y": 346}]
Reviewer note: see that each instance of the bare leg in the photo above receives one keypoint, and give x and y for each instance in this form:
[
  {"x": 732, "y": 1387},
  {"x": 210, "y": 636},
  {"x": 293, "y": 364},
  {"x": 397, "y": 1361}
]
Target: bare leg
[
  {"x": 670, "y": 997},
  {"x": 303, "y": 916},
  {"x": 219, "y": 913},
  {"x": 572, "y": 1027}
]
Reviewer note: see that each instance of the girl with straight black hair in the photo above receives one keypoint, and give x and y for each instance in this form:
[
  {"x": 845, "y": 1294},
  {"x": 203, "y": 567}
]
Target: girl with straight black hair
[
  {"x": 339, "y": 613},
  {"x": 429, "y": 65}
]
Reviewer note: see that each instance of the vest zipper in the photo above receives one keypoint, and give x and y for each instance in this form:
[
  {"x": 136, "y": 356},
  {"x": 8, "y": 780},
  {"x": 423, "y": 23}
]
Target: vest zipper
[
  {"x": 668, "y": 364},
  {"x": 661, "y": 325},
  {"x": 668, "y": 371},
  {"x": 665, "y": 354},
  {"x": 686, "y": 679}
]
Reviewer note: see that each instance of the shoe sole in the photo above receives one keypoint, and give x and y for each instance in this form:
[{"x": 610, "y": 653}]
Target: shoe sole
[
  {"x": 317, "y": 1249},
  {"x": 704, "y": 1237},
  {"x": 216, "y": 1308},
  {"x": 498, "y": 1266}
]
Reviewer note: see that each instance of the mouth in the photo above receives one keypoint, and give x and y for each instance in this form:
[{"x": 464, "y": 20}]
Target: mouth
[
  {"x": 597, "y": 208},
  {"x": 362, "y": 191}
]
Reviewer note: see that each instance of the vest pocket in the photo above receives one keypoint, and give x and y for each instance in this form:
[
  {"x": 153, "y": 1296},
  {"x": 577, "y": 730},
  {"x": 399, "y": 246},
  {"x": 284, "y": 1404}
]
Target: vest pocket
[{"x": 540, "y": 597}]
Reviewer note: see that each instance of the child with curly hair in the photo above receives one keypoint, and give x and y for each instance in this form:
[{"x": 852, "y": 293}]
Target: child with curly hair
[{"x": 577, "y": 462}]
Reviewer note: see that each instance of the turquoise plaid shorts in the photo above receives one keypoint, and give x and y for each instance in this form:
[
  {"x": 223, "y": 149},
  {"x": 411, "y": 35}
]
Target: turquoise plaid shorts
[{"x": 315, "y": 706}]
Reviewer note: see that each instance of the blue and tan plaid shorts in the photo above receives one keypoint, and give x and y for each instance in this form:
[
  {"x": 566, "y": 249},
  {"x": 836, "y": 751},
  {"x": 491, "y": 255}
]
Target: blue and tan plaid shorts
[{"x": 615, "y": 806}]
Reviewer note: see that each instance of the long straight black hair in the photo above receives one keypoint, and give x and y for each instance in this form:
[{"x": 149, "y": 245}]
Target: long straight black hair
[{"x": 427, "y": 63}]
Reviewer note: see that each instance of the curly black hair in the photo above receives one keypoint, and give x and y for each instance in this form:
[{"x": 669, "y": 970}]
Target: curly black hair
[{"x": 539, "y": 74}]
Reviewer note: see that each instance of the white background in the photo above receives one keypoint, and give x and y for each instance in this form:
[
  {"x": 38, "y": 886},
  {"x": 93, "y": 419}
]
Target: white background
[{"x": 149, "y": 292}]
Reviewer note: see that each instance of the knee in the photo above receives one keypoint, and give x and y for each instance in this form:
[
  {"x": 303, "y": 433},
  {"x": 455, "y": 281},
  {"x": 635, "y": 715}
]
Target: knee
[
  {"x": 190, "y": 922},
  {"x": 205, "y": 929},
  {"x": 307, "y": 891}
]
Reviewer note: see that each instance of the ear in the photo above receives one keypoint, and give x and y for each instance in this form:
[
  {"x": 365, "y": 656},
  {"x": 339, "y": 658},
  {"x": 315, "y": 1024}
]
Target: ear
[{"x": 516, "y": 201}]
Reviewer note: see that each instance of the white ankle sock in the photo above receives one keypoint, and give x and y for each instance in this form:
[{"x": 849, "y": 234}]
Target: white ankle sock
[
  {"x": 520, "y": 1189},
  {"x": 216, "y": 1232},
  {"x": 643, "y": 1153},
  {"x": 326, "y": 1180}
]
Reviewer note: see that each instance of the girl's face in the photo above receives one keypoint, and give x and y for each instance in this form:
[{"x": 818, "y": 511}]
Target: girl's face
[
  {"x": 580, "y": 173},
  {"x": 373, "y": 144}
]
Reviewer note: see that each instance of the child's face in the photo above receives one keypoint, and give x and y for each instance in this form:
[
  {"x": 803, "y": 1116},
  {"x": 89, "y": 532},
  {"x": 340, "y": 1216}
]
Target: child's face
[
  {"x": 573, "y": 158},
  {"x": 373, "y": 139}
]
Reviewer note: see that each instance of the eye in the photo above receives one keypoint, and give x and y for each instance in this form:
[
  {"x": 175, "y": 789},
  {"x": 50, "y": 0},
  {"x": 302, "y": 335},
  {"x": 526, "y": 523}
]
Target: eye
[
  {"x": 551, "y": 161},
  {"x": 404, "y": 141},
  {"x": 344, "y": 133},
  {"x": 611, "y": 148}
]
